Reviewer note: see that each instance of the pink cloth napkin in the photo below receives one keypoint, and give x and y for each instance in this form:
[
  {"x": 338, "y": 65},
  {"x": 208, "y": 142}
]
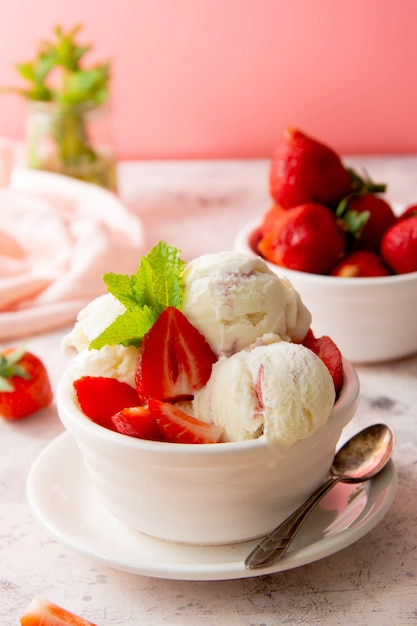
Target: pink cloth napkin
[{"x": 58, "y": 236}]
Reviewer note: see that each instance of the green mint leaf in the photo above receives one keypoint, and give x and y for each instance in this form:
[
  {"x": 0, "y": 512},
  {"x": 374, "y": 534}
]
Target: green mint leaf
[
  {"x": 156, "y": 285},
  {"x": 127, "y": 329},
  {"x": 121, "y": 287},
  {"x": 158, "y": 280}
]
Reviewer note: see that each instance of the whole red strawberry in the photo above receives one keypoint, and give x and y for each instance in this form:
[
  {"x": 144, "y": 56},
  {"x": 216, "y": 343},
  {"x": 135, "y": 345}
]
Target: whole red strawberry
[
  {"x": 24, "y": 384},
  {"x": 399, "y": 246},
  {"x": 307, "y": 238},
  {"x": 305, "y": 170},
  {"x": 379, "y": 217},
  {"x": 361, "y": 263}
]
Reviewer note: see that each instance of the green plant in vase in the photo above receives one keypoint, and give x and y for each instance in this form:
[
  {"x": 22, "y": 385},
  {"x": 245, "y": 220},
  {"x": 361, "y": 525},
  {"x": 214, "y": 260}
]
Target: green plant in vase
[{"x": 67, "y": 111}]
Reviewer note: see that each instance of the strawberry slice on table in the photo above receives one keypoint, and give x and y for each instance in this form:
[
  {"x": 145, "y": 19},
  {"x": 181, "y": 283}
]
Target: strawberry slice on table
[
  {"x": 329, "y": 353},
  {"x": 179, "y": 427},
  {"x": 137, "y": 422},
  {"x": 24, "y": 384},
  {"x": 175, "y": 359},
  {"x": 41, "y": 612},
  {"x": 100, "y": 397}
]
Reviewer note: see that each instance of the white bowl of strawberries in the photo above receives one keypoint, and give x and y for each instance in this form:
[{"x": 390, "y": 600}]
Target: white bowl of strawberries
[
  {"x": 347, "y": 251},
  {"x": 158, "y": 465}
]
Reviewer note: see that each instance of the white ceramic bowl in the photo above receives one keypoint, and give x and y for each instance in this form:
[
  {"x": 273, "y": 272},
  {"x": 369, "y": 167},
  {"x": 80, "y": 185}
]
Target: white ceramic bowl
[
  {"x": 370, "y": 319},
  {"x": 209, "y": 493}
]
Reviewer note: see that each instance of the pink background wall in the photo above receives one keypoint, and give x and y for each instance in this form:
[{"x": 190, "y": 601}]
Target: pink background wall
[{"x": 221, "y": 78}]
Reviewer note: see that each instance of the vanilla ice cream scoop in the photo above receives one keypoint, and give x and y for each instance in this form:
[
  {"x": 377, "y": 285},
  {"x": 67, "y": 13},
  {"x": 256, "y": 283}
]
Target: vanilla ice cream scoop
[
  {"x": 113, "y": 361},
  {"x": 282, "y": 390},
  {"x": 233, "y": 299}
]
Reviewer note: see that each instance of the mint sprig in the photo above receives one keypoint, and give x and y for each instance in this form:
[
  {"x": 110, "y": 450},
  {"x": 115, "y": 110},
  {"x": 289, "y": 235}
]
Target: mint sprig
[{"x": 156, "y": 285}]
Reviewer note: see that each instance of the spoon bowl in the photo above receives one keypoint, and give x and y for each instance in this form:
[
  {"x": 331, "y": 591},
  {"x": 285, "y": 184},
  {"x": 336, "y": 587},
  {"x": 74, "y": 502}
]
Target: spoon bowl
[{"x": 362, "y": 457}]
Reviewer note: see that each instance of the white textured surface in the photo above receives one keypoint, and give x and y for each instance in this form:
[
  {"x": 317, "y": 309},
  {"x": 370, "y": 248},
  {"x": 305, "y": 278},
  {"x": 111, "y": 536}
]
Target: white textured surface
[{"x": 198, "y": 207}]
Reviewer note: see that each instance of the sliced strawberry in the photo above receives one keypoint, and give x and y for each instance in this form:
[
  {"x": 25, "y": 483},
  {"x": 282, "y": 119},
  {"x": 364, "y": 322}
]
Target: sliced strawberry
[
  {"x": 175, "y": 359},
  {"x": 137, "y": 422},
  {"x": 40, "y": 612},
  {"x": 100, "y": 397},
  {"x": 329, "y": 353},
  {"x": 178, "y": 427}
]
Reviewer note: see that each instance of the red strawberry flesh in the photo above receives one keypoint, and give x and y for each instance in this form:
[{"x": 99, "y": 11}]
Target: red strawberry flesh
[
  {"x": 175, "y": 359},
  {"x": 329, "y": 353},
  {"x": 100, "y": 397},
  {"x": 179, "y": 427}
]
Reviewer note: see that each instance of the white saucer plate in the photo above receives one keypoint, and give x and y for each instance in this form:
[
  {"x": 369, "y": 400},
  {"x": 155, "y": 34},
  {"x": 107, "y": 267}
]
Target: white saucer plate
[{"x": 64, "y": 502}]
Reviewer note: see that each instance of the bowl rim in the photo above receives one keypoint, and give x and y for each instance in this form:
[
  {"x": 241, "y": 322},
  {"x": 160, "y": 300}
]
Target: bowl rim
[
  {"x": 250, "y": 230},
  {"x": 85, "y": 428}
]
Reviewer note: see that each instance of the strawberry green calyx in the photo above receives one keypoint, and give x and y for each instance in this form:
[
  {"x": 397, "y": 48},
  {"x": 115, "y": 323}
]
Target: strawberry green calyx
[
  {"x": 156, "y": 285},
  {"x": 364, "y": 184},
  {"x": 351, "y": 221},
  {"x": 9, "y": 368}
]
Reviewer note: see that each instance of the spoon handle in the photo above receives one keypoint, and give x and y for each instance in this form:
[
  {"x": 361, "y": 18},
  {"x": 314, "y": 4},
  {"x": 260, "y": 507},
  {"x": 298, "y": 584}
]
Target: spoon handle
[{"x": 274, "y": 545}]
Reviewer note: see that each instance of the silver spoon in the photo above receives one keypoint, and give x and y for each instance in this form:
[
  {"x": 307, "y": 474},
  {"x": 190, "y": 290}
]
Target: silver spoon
[{"x": 360, "y": 459}]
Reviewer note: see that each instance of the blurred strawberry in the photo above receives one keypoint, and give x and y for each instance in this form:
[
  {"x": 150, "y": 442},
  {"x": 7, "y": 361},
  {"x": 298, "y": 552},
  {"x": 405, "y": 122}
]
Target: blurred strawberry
[
  {"x": 361, "y": 263},
  {"x": 269, "y": 218},
  {"x": 24, "y": 384},
  {"x": 410, "y": 211},
  {"x": 305, "y": 238},
  {"x": 367, "y": 217},
  {"x": 399, "y": 246},
  {"x": 305, "y": 170}
]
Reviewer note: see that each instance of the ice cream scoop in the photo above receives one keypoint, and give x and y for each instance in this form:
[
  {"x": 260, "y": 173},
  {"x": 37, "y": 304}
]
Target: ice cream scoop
[
  {"x": 279, "y": 389},
  {"x": 233, "y": 299}
]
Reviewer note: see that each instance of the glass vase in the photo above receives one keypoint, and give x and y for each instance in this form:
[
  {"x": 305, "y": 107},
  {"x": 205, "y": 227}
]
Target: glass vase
[{"x": 71, "y": 139}]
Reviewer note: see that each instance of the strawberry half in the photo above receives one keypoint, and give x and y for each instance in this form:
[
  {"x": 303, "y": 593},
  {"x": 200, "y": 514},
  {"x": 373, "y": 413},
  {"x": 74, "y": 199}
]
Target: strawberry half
[
  {"x": 178, "y": 427},
  {"x": 329, "y": 353},
  {"x": 100, "y": 398},
  {"x": 175, "y": 359},
  {"x": 40, "y": 612},
  {"x": 137, "y": 422}
]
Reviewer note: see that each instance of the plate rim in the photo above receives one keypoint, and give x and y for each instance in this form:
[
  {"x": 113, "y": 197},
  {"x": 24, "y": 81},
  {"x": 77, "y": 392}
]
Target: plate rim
[{"x": 65, "y": 442}]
